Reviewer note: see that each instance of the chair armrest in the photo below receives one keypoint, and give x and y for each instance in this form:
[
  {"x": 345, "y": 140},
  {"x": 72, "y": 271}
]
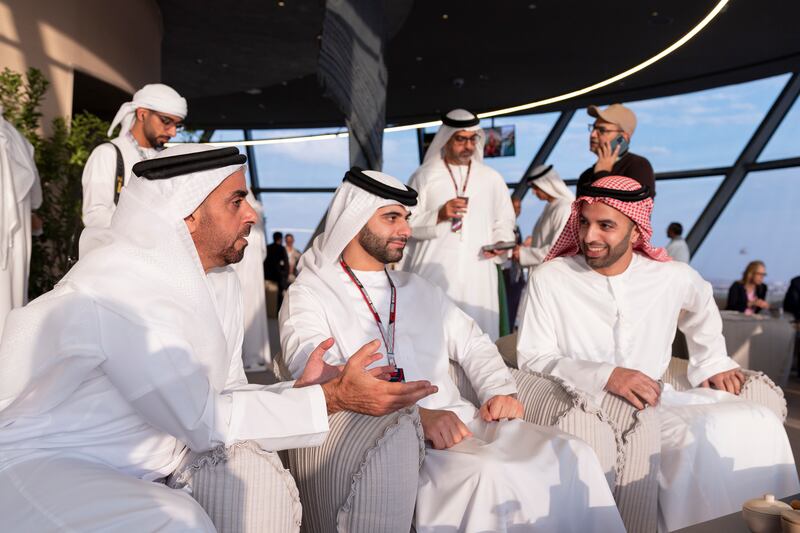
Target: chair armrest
[
  {"x": 242, "y": 488},
  {"x": 364, "y": 477},
  {"x": 627, "y": 442},
  {"x": 759, "y": 388}
]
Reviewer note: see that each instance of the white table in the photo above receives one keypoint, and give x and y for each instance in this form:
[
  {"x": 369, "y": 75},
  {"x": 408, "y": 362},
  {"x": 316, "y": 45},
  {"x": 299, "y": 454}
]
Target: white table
[{"x": 760, "y": 342}]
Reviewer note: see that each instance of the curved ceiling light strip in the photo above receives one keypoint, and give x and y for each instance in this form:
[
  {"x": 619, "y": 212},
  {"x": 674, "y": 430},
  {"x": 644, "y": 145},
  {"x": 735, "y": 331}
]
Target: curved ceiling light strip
[{"x": 508, "y": 110}]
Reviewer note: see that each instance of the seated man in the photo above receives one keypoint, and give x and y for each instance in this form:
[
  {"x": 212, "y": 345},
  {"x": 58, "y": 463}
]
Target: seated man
[
  {"x": 136, "y": 354},
  {"x": 601, "y": 313},
  {"x": 481, "y": 475}
]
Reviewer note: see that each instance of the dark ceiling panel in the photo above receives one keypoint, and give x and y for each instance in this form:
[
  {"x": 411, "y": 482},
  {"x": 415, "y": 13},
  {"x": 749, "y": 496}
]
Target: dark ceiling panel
[{"x": 482, "y": 55}]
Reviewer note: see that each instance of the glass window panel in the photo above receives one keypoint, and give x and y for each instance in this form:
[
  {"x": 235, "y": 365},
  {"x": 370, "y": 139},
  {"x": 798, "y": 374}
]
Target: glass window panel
[
  {"x": 301, "y": 164},
  {"x": 760, "y": 222},
  {"x": 786, "y": 140},
  {"x": 295, "y": 213},
  {"x": 227, "y": 135},
  {"x": 681, "y": 201},
  {"x": 400, "y": 154},
  {"x": 694, "y": 130},
  {"x": 188, "y": 136}
]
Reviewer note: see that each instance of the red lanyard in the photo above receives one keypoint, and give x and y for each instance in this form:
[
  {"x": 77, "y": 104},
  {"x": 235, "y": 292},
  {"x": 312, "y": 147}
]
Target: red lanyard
[
  {"x": 453, "y": 179},
  {"x": 388, "y": 337}
]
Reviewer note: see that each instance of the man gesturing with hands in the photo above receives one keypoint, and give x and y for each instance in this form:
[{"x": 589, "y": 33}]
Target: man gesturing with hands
[{"x": 477, "y": 459}]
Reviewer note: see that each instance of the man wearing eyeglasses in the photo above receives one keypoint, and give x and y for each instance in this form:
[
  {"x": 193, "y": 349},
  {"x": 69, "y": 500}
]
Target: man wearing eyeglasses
[
  {"x": 151, "y": 119},
  {"x": 609, "y": 138},
  {"x": 463, "y": 217}
]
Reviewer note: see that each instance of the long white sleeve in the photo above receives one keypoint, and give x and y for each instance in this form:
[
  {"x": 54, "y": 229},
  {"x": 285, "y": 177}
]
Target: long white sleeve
[
  {"x": 701, "y": 323},
  {"x": 424, "y": 222},
  {"x": 98, "y": 187},
  {"x": 538, "y": 351},
  {"x": 551, "y": 228},
  {"x": 476, "y": 353},
  {"x": 158, "y": 377},
  {"x": 303, "y": 327}
]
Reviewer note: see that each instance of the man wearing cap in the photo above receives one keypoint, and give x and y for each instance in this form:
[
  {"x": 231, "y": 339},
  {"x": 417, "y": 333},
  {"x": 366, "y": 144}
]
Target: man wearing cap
[
  {"x": 464, "y": 210},
  {"x": 548, "y": 187},
  {"x": 151, "y": 119},
  {"x": 601, "y": 314},
  {"x": 611, "y": 123},
  {"x": 135, "y": 356},
  {"x": 486, "y": 470}
]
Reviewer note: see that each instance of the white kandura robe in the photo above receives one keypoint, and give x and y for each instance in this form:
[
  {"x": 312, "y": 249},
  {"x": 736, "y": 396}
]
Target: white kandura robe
[
  {"x": 678, "y": 250},
  {"x": 453, "y": 261},
  {"x": 511, "y": 474},
  {"x": 20, "y": 192},
  {"x": 717, "y": 450},
  {"x": 134, "y": 357},
  {"x": 255, "y": 348},
  {"x": 546, "y": 231},
  {"x": 99, "y": 176}
]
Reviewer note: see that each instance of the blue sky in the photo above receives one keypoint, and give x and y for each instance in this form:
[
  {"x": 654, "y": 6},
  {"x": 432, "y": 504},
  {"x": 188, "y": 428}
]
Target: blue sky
[{"x": 695, "y": 130}]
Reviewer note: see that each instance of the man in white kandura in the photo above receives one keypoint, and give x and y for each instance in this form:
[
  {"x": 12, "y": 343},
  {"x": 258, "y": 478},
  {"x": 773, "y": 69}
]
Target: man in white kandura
[
  {"x": 677, "y": 248},
  {"x": 464, "y": 205},
  {"x": 20, "y": 193},
  {"x": 601, "y": 314},
  {"x": 483, "y": 473},
  {"x": 136, "y": 355},
  {"x": 151, "y": 119},
  {"x": 548, "y": 187},
  {"x": 256, "y": 352}
]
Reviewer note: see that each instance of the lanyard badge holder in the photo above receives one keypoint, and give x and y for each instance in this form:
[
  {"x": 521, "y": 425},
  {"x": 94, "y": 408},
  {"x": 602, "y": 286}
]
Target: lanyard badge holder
[
  {"x": 456, "y": 223},
  {"x": 398, "y": 376}
]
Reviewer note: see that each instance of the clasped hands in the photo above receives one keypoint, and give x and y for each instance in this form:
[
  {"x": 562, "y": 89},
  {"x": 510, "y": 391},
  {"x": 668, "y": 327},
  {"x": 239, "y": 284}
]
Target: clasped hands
[
  {"x": 444, "y": 429},
  {"x": 641, "y": 390},
  {"x": 354, "y": 387}
]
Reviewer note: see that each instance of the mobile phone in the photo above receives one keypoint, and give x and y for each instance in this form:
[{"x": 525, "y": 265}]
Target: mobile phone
[{"x": 621, "y": 142}]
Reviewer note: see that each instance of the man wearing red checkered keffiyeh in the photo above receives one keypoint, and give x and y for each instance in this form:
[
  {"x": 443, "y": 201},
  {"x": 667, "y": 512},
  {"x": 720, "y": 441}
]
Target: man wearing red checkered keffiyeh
[
  {"x": 601, "y": 314},
  {"x": 638, "y": 211}
]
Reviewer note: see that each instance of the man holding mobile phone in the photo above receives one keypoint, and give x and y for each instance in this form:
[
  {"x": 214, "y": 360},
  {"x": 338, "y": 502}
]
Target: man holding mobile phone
[{"x": 609, "y": 138}]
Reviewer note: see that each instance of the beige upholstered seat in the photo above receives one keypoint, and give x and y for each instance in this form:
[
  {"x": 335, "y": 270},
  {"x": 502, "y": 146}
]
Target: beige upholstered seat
[
  {"x": 364, "y": 477},
  {"x": 626, "y": 441}
]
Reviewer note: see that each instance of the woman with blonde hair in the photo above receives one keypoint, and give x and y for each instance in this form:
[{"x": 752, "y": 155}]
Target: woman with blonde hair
[{"x": 749, "y": 295}]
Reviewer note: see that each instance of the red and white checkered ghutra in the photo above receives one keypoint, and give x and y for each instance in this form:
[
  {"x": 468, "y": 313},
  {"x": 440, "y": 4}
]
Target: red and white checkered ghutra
[{"x": 639, "y": 212}]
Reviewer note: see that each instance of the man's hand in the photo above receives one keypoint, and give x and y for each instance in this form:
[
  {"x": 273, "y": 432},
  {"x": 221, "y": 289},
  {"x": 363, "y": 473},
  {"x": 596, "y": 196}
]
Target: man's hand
[
  {"x": 730, "y": 381},
  {"x": 489, "y": 254},
  {"x": 528, "y": 241},
  {"x": 501, "y": 406},
  {"x": 515, "y": 254},
  {"x": 317, "y": 371},
  {"x": 455, "y": 208},
  {"x": 443, "y": 428},
  {"x": 605, "y": 157},
  {"x": 639, "y": 389},
  {"x": 366, "y": 391}
]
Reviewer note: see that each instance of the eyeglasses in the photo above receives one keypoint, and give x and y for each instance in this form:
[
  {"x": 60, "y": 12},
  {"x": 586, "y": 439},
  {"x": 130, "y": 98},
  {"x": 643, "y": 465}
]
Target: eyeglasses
[
  {"x": 168, "y": 122},
  {"x": 460, "y": 139},
  {"x": 759, "y": 273},
  {"x": 601, "y": 130}
]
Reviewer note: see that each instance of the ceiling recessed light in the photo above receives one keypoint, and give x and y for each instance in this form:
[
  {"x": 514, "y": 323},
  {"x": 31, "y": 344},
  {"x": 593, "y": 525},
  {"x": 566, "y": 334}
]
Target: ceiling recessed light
[
  {"x": 253, "y": 91},
  {"x": 531, "y": 6},
  {"x": 419, "y": 58},
  {"x": 198, "y": 61},
  {"x": 281, "y": 3},
  {"x": 445, "y": 16}
]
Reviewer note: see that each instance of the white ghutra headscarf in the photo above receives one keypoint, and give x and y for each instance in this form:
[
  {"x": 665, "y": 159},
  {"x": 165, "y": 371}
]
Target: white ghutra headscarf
[
  {"x": 155, "y": 96},
  {"x": 448, "y": 128}
]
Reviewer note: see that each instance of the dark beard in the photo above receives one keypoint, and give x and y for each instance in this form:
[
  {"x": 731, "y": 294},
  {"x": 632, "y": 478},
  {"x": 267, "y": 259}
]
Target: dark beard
[
  {"x": 614, "y": 253},
  {"x": 378, "y": 247}
]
